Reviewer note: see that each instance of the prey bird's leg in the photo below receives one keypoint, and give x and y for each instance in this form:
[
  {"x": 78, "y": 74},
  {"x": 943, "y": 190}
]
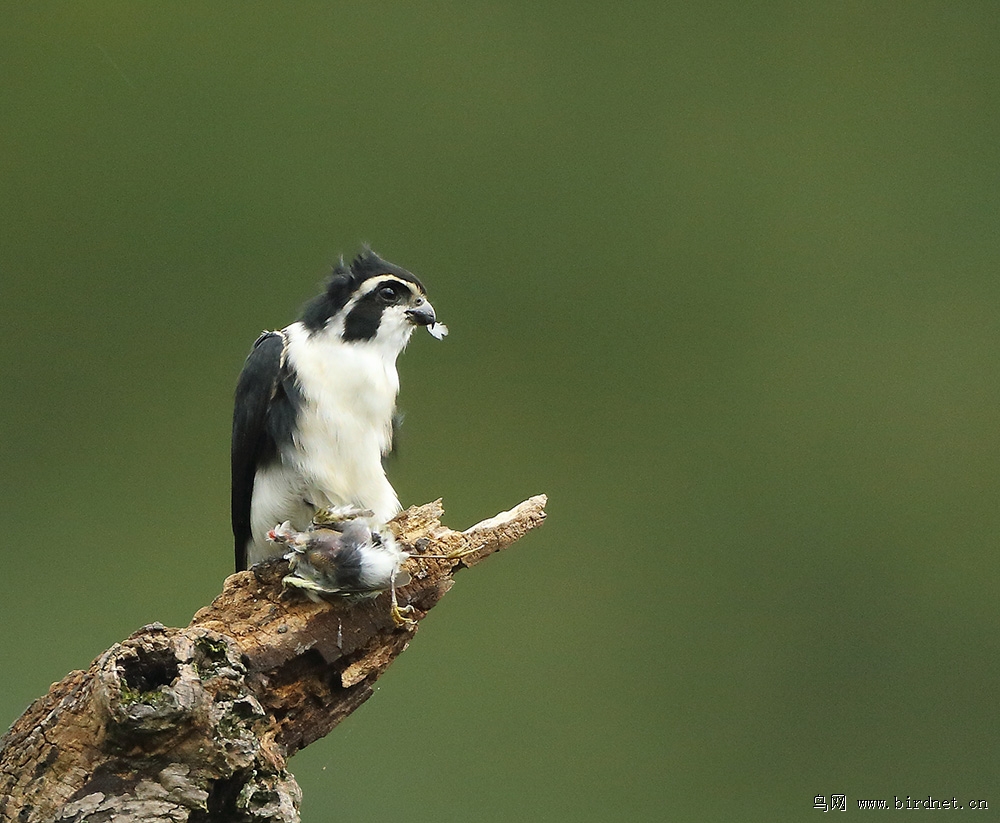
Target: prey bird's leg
[
  {"x": 399, "y": 615},
  {"x": 458, "y": 554}
]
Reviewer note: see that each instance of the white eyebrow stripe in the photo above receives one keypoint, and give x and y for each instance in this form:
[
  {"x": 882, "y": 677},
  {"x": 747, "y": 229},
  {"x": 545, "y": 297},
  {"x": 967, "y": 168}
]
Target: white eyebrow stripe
[{"x": 378, "y": 281}]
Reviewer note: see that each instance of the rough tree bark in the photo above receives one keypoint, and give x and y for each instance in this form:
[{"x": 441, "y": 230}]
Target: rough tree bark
[{"x": 196, "y": 724}]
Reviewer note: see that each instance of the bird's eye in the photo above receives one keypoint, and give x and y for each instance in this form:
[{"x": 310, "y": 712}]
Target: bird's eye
[{"x": 388, "y": 294}]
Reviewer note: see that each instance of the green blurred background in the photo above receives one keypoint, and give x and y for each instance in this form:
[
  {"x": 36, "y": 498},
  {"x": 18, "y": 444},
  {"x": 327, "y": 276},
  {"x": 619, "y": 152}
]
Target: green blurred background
[{"x": 722, "y": 280}]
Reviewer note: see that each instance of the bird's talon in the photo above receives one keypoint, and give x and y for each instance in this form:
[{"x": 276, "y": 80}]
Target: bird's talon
[{"x": 399, "y": 616}]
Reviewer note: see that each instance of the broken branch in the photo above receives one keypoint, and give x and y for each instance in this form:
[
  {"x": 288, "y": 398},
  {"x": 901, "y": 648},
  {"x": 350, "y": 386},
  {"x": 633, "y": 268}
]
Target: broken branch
[{"x": 196, "y": 724}]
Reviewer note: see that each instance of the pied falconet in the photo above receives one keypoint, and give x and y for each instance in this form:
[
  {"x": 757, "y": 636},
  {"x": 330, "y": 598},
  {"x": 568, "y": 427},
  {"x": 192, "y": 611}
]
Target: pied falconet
[{"x": 315, "y": 402}]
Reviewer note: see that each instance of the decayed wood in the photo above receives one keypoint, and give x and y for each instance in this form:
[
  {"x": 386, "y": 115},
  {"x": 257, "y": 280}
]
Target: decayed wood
[{"x": 196, "y": 724}]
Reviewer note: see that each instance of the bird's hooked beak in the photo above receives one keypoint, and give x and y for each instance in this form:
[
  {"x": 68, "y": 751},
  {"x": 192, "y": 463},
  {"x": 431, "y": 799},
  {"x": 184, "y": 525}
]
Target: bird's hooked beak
[{"x": 422, "y": 314}]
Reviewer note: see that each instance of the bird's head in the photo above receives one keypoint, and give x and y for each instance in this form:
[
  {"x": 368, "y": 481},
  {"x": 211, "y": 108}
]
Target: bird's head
[{"x": 371, "y": 300}]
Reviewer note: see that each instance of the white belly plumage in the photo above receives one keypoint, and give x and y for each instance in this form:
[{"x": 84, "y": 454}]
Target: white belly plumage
[{"x": 343, "y": 428}]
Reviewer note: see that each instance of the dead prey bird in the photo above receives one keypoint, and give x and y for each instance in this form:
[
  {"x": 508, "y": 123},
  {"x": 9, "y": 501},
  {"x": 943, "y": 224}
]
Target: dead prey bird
[{"x": 346, "y": 553}]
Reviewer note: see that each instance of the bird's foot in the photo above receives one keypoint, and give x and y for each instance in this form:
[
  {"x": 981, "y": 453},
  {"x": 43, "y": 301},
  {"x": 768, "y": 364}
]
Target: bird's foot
[
  {"x": 336, "y": 515},
  {"x": 400, "y": 613},
  {"x": 400, "y": 616}
]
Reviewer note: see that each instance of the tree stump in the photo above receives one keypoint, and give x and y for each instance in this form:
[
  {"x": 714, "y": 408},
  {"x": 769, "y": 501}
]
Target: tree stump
[{"x": 196, "y": 724}]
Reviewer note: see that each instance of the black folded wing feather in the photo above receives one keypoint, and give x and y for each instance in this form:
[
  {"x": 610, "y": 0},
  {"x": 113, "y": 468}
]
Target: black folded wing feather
[{"x": 263, "y": 417}]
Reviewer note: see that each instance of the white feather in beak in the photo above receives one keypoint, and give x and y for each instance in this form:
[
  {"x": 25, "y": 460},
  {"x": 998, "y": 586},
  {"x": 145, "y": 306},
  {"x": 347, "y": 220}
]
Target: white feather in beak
[{"x": 438, "y": 330}]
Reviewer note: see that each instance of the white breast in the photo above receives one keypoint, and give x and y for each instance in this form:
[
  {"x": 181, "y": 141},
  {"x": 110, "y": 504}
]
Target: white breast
[{"x": 344, "y": 426}]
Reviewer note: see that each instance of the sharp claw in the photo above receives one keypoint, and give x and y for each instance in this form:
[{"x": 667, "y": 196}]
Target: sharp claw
[
  {"x": 399, "y": 613},
  {"x": 399, "y": 616}
]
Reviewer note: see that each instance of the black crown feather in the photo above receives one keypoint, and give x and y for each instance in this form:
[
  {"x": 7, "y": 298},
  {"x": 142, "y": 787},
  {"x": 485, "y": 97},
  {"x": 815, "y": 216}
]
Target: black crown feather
[{"x": 344, "y": 281}]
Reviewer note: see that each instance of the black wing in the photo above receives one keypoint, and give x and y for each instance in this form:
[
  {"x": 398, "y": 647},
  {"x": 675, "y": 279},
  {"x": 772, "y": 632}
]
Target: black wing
[{"x": 257, "y": 391}]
